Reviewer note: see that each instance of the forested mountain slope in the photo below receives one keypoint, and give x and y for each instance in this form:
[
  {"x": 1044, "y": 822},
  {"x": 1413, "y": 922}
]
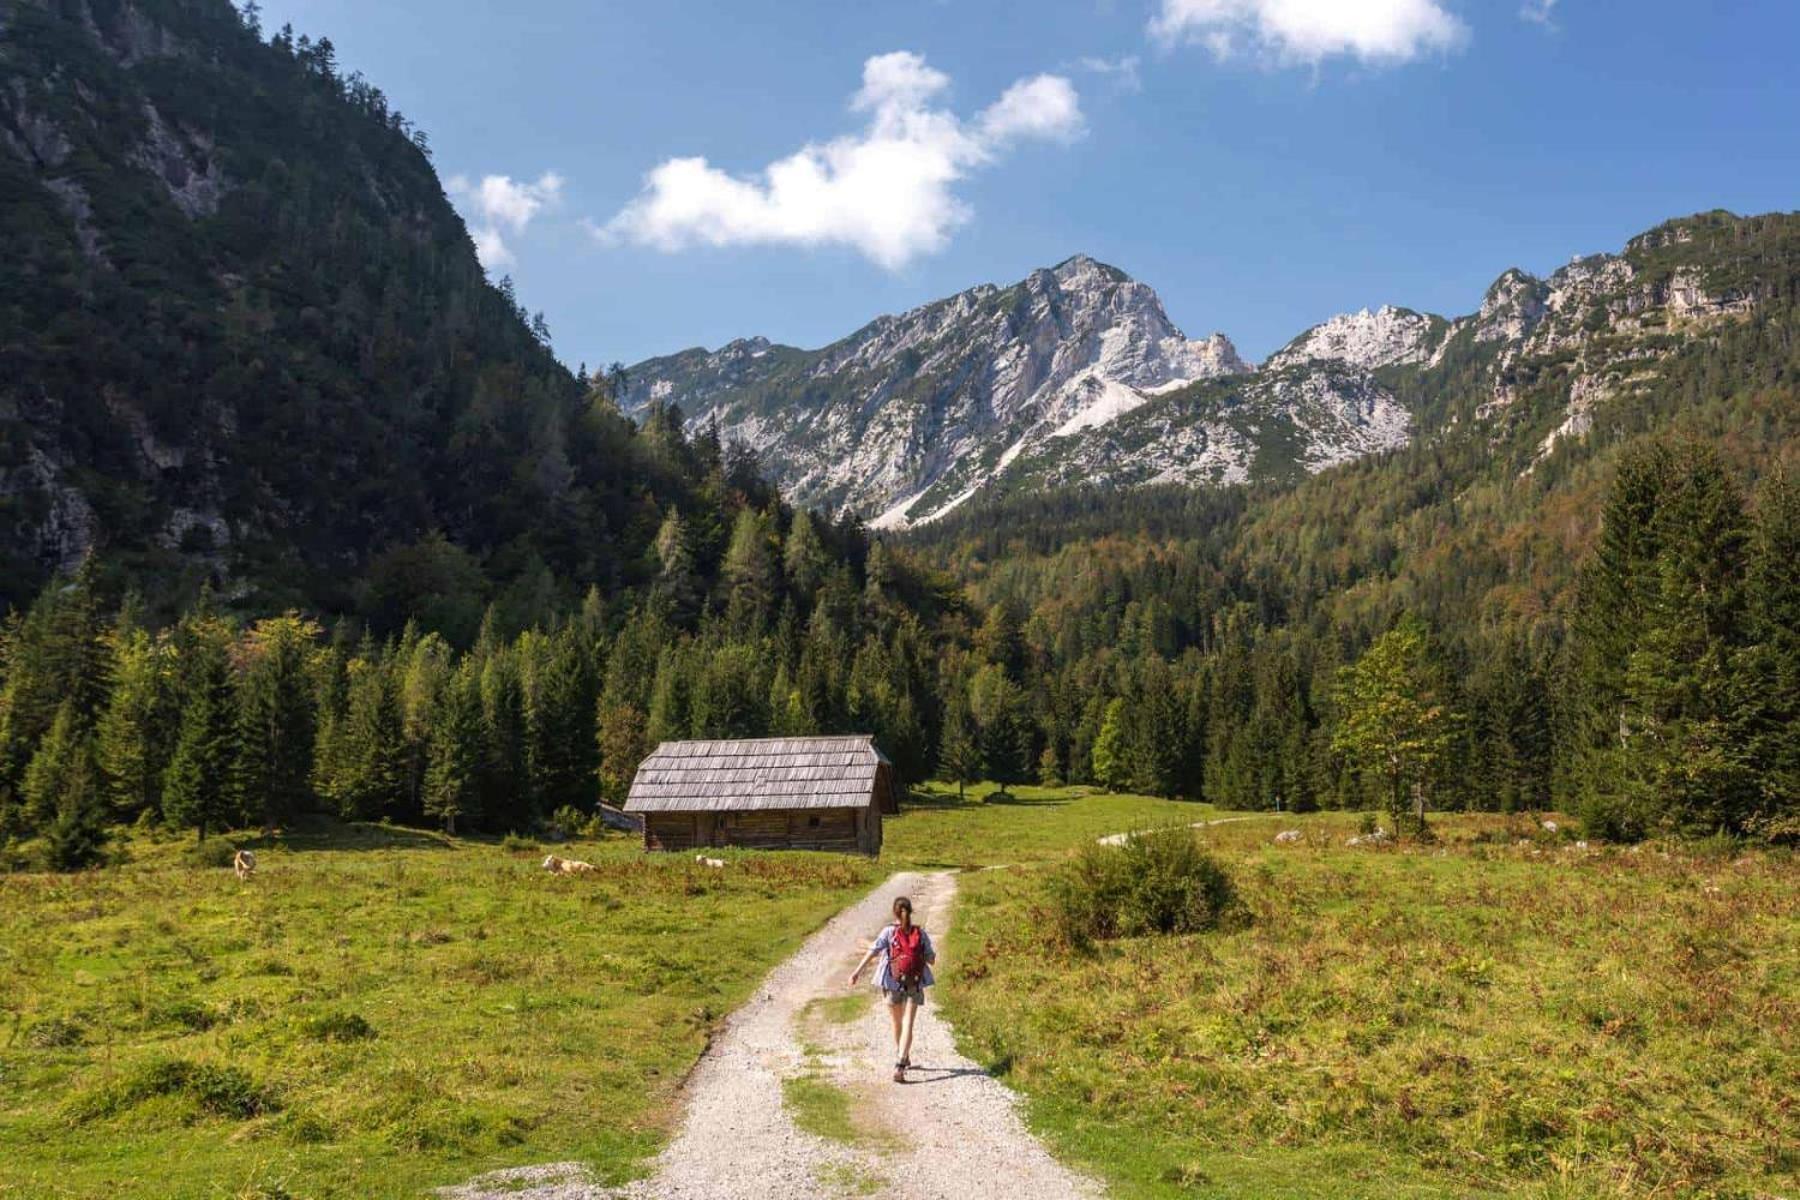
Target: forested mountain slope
[
  {"x": 1583, "y": 544},
  {"x": 244, "y": 336}
]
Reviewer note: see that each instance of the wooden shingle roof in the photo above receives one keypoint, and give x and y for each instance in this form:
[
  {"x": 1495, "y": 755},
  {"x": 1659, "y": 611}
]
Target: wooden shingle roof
[{"x": 757, "y": 773}]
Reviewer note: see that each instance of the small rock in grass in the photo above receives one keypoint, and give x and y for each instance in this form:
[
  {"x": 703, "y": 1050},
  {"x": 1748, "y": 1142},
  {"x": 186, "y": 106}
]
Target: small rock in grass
[{"x": 1287, "y": 836}]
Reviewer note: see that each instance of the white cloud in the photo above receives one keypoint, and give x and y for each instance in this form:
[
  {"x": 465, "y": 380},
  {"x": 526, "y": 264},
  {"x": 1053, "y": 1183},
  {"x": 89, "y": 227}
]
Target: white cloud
[
  {"x": 1539, "y": 12},
  {"x": 885, "y": 191},
  {"x": 1044, "y": 106},
  {"x": 500, "y": 203},
  {"x": 1310, "y": 31},
  {"x": 1122, "y": 70}
]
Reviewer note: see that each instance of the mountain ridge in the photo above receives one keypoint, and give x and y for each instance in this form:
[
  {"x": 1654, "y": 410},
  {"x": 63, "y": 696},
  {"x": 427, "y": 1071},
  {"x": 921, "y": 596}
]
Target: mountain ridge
[{"x": 1198, "y": 414}]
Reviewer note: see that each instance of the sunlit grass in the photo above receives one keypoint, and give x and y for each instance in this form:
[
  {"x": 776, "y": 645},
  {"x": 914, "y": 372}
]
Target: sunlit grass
[
  {"x": 1021, "y": 824},
  {"x": 378, "y": 1011},
  {"x": 1472, "y": 1016}
]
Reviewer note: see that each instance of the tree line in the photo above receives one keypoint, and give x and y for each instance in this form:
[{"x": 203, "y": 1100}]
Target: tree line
[{"x": 1670, "y": 706}]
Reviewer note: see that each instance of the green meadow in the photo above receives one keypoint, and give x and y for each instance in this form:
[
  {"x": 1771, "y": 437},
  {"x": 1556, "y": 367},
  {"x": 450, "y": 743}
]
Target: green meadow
[
  {"x": 1504, "y": 1011},
  {"x": 381, "y": 1011},
  {"x": 378, "y": 1012}
]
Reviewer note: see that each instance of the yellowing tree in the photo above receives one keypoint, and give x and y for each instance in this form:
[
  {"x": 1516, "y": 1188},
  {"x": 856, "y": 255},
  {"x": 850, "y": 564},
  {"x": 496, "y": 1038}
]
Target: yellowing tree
[{"x": 1395, "y": 726}]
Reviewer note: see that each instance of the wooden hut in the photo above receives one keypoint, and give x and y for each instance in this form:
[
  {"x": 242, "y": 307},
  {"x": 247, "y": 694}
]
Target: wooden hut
[{"x": 804, "y": 793}]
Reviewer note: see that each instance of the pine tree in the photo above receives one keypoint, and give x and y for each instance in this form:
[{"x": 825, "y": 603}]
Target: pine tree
[
  {"x": 1771, "y": 675},
  {"x": 197, "y": 784},
  {"x": 560, "y": 710},
  {"x": 56, "y": 653},
  {"x": 749, "y": 572},
  {"x": 51, "y": 771},
  {"x": 372, "y": 761},
  {"x": 1006, "y": 731},
  {"x": 131, "y": 740},
  {"x": 804, "y": 559},
  {"x": 503, "y": 799},
  {"x": 277, "y": 724},
  {"x": 959, "y": 751},
  {"x": 676, "y": 585},
  {"x": 77, "y": 834},
  {"x": 453, "y": 764}
]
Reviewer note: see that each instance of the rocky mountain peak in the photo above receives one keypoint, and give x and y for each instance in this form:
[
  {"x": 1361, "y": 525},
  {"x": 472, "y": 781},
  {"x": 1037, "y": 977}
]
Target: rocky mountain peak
[{"x": 1364, "y": 339}]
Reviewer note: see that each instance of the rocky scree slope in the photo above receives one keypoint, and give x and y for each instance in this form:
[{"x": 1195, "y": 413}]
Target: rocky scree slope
[{"x": 913, "y": 413}]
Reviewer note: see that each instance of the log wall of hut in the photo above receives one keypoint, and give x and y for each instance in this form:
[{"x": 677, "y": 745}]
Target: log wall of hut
[{"x": 848, "y": 830}]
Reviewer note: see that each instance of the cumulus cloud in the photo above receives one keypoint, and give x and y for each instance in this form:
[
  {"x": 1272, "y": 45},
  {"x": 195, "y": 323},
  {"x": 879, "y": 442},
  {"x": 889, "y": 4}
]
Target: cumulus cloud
[
  {"x": 498, "y": 205},
  {"x": 886, "y": 191},
  {"x": 1380, "y": 32}
]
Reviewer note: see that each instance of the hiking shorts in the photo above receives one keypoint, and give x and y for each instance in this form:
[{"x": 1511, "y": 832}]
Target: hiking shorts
[{"x": 900, "y": 995}]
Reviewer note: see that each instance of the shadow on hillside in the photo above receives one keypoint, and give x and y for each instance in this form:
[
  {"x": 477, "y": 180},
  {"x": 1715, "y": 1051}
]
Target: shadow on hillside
[
  {"x": 316, "y": 832},
  {"x": 948, "y": 800}
]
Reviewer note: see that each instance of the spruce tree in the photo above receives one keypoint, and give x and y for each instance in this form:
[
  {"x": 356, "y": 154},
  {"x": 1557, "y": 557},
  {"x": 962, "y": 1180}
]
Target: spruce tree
[
  {"x": 277, "y": 729},
  {"x": 504, "y": 795},
  {"x": 372, "y": 763},
  {"x": 77, "y": 836},
  {"x": 803, "y": 559},
  {"x": 52, "y": 769},
  {"x": 197, "y": 784},
  {"x": 133, "y": 734},
  {"x": 749, "y": 572},
  {"x": 452, "y": 770},
  {"x": 959, "y": 751},
  {"x": 1771, "y": 678}
]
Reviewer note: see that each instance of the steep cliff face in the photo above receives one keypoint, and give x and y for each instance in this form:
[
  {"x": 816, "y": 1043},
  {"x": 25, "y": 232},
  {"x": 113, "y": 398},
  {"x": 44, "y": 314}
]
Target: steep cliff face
[
  {"x": 243, "y": 334},
  {"x": 1075, "y": 375},
  {"x": 914, "y": 412}
]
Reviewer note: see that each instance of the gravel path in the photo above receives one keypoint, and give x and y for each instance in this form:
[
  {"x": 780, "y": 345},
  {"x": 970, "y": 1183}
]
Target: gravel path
[{"x": 952, "y": 1132}]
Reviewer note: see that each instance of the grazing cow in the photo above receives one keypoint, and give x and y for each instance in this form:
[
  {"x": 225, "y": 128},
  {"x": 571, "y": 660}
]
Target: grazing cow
[
  {"x": 566, "y": 866},
  {"x": 708, "y": 862},
  {"x": 244, "y": 863},
  {"x": 1288, "y": 836}
]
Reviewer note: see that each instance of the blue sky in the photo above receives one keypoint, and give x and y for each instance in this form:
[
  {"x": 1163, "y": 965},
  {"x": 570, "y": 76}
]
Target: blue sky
[{"x": 1262, "y": 163}]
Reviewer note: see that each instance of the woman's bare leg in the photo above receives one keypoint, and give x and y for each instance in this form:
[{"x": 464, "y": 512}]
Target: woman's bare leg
[
  {"x": 905, "y": 1034},
  {"x": 894, "y": 1011}
]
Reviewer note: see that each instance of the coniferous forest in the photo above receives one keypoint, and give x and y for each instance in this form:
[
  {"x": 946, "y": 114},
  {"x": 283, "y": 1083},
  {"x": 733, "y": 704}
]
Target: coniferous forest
[{"x": 355, "y": 542}]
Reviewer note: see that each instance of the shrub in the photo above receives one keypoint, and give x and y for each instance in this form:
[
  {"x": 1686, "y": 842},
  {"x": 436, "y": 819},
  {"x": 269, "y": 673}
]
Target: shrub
[
  {"x": 54, "y": 1033},
  {"x": 219, "y": 1090},
  {"x": 213, "y": 852},
  {"x": 188, "y": 1014},
  {"x": 512, "y": 843},
  {"x": 567, "y": 822},
  {"x": 1161, "y": 882}
]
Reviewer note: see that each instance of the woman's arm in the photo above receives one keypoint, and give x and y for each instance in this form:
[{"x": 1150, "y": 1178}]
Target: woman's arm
[{"x": 881, "y": 942}]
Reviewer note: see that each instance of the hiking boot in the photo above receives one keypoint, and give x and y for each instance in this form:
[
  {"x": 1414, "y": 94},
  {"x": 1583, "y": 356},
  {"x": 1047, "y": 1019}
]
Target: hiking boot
[{"x": 900, "y": 1072}]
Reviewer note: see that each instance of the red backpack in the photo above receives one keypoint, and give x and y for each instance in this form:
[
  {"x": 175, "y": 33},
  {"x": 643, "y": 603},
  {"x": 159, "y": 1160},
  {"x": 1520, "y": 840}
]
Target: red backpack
[{"x": 906, "y": 955}]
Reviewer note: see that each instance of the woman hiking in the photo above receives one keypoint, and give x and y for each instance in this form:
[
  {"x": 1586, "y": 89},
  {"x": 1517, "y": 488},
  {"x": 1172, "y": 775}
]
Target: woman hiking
[{"x": 906, "y": 958}]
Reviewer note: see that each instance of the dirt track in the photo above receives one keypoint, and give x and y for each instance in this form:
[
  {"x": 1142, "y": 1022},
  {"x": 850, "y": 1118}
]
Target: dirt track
[{"x": 952, "y": 1133}]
